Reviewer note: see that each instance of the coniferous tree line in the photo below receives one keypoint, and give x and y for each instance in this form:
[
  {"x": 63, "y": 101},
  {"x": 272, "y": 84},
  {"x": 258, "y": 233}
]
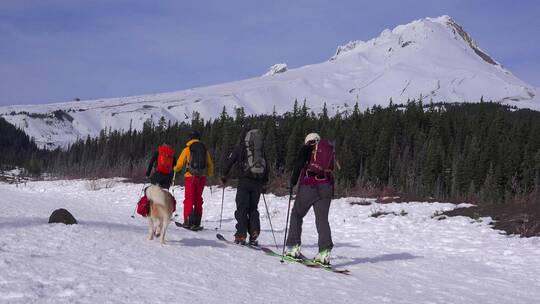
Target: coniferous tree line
[
  {"x": 17, "y": 149},
  {"x": 484, "y": 152}
]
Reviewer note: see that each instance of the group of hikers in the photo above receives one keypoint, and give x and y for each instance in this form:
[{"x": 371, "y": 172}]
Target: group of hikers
[{"x": 312, "y": 171}]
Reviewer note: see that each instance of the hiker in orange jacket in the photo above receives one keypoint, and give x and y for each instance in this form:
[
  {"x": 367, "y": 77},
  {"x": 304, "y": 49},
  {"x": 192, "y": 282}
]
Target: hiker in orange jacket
[{"x": 199, "y": 165}]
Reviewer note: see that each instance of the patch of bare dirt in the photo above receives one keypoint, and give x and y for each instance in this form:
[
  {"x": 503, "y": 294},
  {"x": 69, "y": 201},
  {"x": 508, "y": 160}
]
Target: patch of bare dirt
[{"x": 521, "y": 219}]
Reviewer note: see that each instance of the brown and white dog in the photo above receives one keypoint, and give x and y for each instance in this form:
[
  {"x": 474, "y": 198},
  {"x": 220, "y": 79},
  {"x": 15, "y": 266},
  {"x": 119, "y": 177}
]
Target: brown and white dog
[{"x": 161, "y": 209}]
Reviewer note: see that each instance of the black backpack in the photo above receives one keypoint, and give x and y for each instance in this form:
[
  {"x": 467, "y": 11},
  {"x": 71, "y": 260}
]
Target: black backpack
[
  {"x": 255, "y": 162},
  {"x": 197, "y": 159}
]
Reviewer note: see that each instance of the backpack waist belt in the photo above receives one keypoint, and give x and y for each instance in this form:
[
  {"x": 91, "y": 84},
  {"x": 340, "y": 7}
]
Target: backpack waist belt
[{"x": 315, "y": 175}]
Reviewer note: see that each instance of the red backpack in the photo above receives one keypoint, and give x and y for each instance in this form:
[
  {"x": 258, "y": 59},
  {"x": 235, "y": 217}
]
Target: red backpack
[
  {"x": 143, "y": 206},
  {"x": 165, "y": 159},
  {"x": 321, "y": 162}
]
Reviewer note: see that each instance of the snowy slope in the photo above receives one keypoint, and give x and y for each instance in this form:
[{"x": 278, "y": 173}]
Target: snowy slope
[
  {"x": 393, "y": 259},
  {"x": 432, "y": 57}
]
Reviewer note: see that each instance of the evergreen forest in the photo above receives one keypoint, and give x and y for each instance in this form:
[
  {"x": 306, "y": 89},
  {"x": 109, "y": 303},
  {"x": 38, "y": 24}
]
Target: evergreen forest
[{"x": 481, "y": 152}]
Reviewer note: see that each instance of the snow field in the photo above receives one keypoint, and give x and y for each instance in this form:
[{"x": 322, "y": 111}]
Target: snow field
[{"x": 414, "y": 258}]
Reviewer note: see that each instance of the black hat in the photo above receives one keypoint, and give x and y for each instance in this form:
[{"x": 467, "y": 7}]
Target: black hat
[{"x": 194, "y": 134}]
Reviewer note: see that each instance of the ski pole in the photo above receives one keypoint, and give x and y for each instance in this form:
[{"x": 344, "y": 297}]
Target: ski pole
[
  {"x": 286, "y": 225},
  {"x": 172, "y": 183},
  {"x": 135, "y": 209},
  {"x": 270, "y": 220},
  {"x": 172, "y": 190},
  {"x": 221, "y": 213}
]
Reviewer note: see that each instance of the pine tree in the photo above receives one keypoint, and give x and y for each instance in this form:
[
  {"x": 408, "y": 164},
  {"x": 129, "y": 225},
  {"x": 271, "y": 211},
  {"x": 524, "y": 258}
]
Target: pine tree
[
  {"x": 348, "y": 173},
  {"x": 295, "y": 109},
  {"x": 270, "y": 143},
  {"x": 431, "y": 167},
  {"x": 34, "y": 165},
  {"x": 294, "y": 143}
]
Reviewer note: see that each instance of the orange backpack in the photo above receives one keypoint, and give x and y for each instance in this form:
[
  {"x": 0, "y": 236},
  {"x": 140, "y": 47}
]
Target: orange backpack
[{"x": 165, "y": 159}]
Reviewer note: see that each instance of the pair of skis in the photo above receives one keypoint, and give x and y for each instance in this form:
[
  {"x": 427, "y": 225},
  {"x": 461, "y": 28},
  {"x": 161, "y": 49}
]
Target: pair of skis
[
  {"x": 192, "y": 228},
  {"x": 301, "y": 260},
  {"x": 248, "y": 245}
]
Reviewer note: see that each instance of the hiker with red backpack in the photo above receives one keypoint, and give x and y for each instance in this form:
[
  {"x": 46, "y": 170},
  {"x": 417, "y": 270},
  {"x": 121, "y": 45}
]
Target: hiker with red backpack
[
  {"x": 250, "y": 157},
  {"x": 199, "y": 165},
  {"x": 313, "y": 171},
  {"x": 162, "y": 162}
]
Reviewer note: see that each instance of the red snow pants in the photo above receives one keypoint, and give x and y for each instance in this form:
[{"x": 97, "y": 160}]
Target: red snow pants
[{"x": 194, "y": 186}]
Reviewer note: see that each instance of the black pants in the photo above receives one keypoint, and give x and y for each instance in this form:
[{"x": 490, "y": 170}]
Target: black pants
[
  {"x": 247, "y": 201},
  {"x": 163, "y": 180}
]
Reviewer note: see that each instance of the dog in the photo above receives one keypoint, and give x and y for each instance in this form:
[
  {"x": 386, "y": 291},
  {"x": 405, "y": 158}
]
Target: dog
[{"x": 161, "y": 209}]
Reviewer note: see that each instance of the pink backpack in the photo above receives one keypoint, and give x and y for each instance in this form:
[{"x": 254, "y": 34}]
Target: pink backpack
[{"x": 321, "y": 162}]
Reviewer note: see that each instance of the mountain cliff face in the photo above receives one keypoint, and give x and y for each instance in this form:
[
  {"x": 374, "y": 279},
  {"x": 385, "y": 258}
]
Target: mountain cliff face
[{"x": 432, "y": 58}]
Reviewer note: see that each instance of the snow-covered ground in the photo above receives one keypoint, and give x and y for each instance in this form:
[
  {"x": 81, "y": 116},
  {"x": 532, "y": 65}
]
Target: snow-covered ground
[{"x": 106, "y": 258}]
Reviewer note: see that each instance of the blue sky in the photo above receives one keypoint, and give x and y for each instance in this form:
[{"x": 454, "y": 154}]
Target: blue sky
[{"x": 59, "y": 50}]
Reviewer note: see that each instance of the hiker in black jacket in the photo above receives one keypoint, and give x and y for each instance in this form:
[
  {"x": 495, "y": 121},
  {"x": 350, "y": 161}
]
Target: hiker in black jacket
[{"x": 250, "y": 157}]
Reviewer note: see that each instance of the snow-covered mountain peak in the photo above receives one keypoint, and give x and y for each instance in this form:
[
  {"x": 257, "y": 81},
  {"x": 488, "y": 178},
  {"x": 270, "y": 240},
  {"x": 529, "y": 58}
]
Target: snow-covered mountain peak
[
  {"x": 423, "y": 33},
  {"x": 432, "y": 58}
]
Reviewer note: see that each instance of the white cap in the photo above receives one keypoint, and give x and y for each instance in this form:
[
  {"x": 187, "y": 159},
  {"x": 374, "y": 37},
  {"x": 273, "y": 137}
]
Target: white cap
[{"x": 312, "y": 137}]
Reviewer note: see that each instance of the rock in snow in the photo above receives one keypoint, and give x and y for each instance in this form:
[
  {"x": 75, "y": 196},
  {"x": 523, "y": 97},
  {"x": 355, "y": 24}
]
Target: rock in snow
[{"x": 62, "y": 216}]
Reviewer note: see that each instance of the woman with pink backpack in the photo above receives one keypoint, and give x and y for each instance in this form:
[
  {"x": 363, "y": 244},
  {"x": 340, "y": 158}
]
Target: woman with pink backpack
[{"x": 313, "y": 171}]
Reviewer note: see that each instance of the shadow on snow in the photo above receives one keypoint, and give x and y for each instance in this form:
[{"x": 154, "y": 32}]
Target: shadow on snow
[
  {"x": 377, "y": 259},
  {"x": 197, "y": 242}
]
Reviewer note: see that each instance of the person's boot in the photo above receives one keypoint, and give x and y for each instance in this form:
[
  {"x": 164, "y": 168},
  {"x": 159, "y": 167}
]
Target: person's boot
[
  {"x": 196, "y": 223},
  {"x": 240, "y": 239},
  {"x": 293, "y": 251},
  {"x": 253, "y": 235},
  {"x": 323, "y": 257},
  {"x": 193, "y": 218},
  {"x": 187, "y": 222}
]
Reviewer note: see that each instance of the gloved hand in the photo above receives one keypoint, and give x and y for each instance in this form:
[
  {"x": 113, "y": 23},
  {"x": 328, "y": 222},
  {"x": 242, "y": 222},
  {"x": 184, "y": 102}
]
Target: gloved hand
[
  {"x": 264, "y": 189},
  {"x": 223, "y": 180},
  {"x": 291, "y": 187}
]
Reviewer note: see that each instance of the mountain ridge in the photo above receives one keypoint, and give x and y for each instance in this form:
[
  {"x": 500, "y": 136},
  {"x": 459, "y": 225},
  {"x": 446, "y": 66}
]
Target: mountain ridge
[{"x": 432, "y": 58}]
